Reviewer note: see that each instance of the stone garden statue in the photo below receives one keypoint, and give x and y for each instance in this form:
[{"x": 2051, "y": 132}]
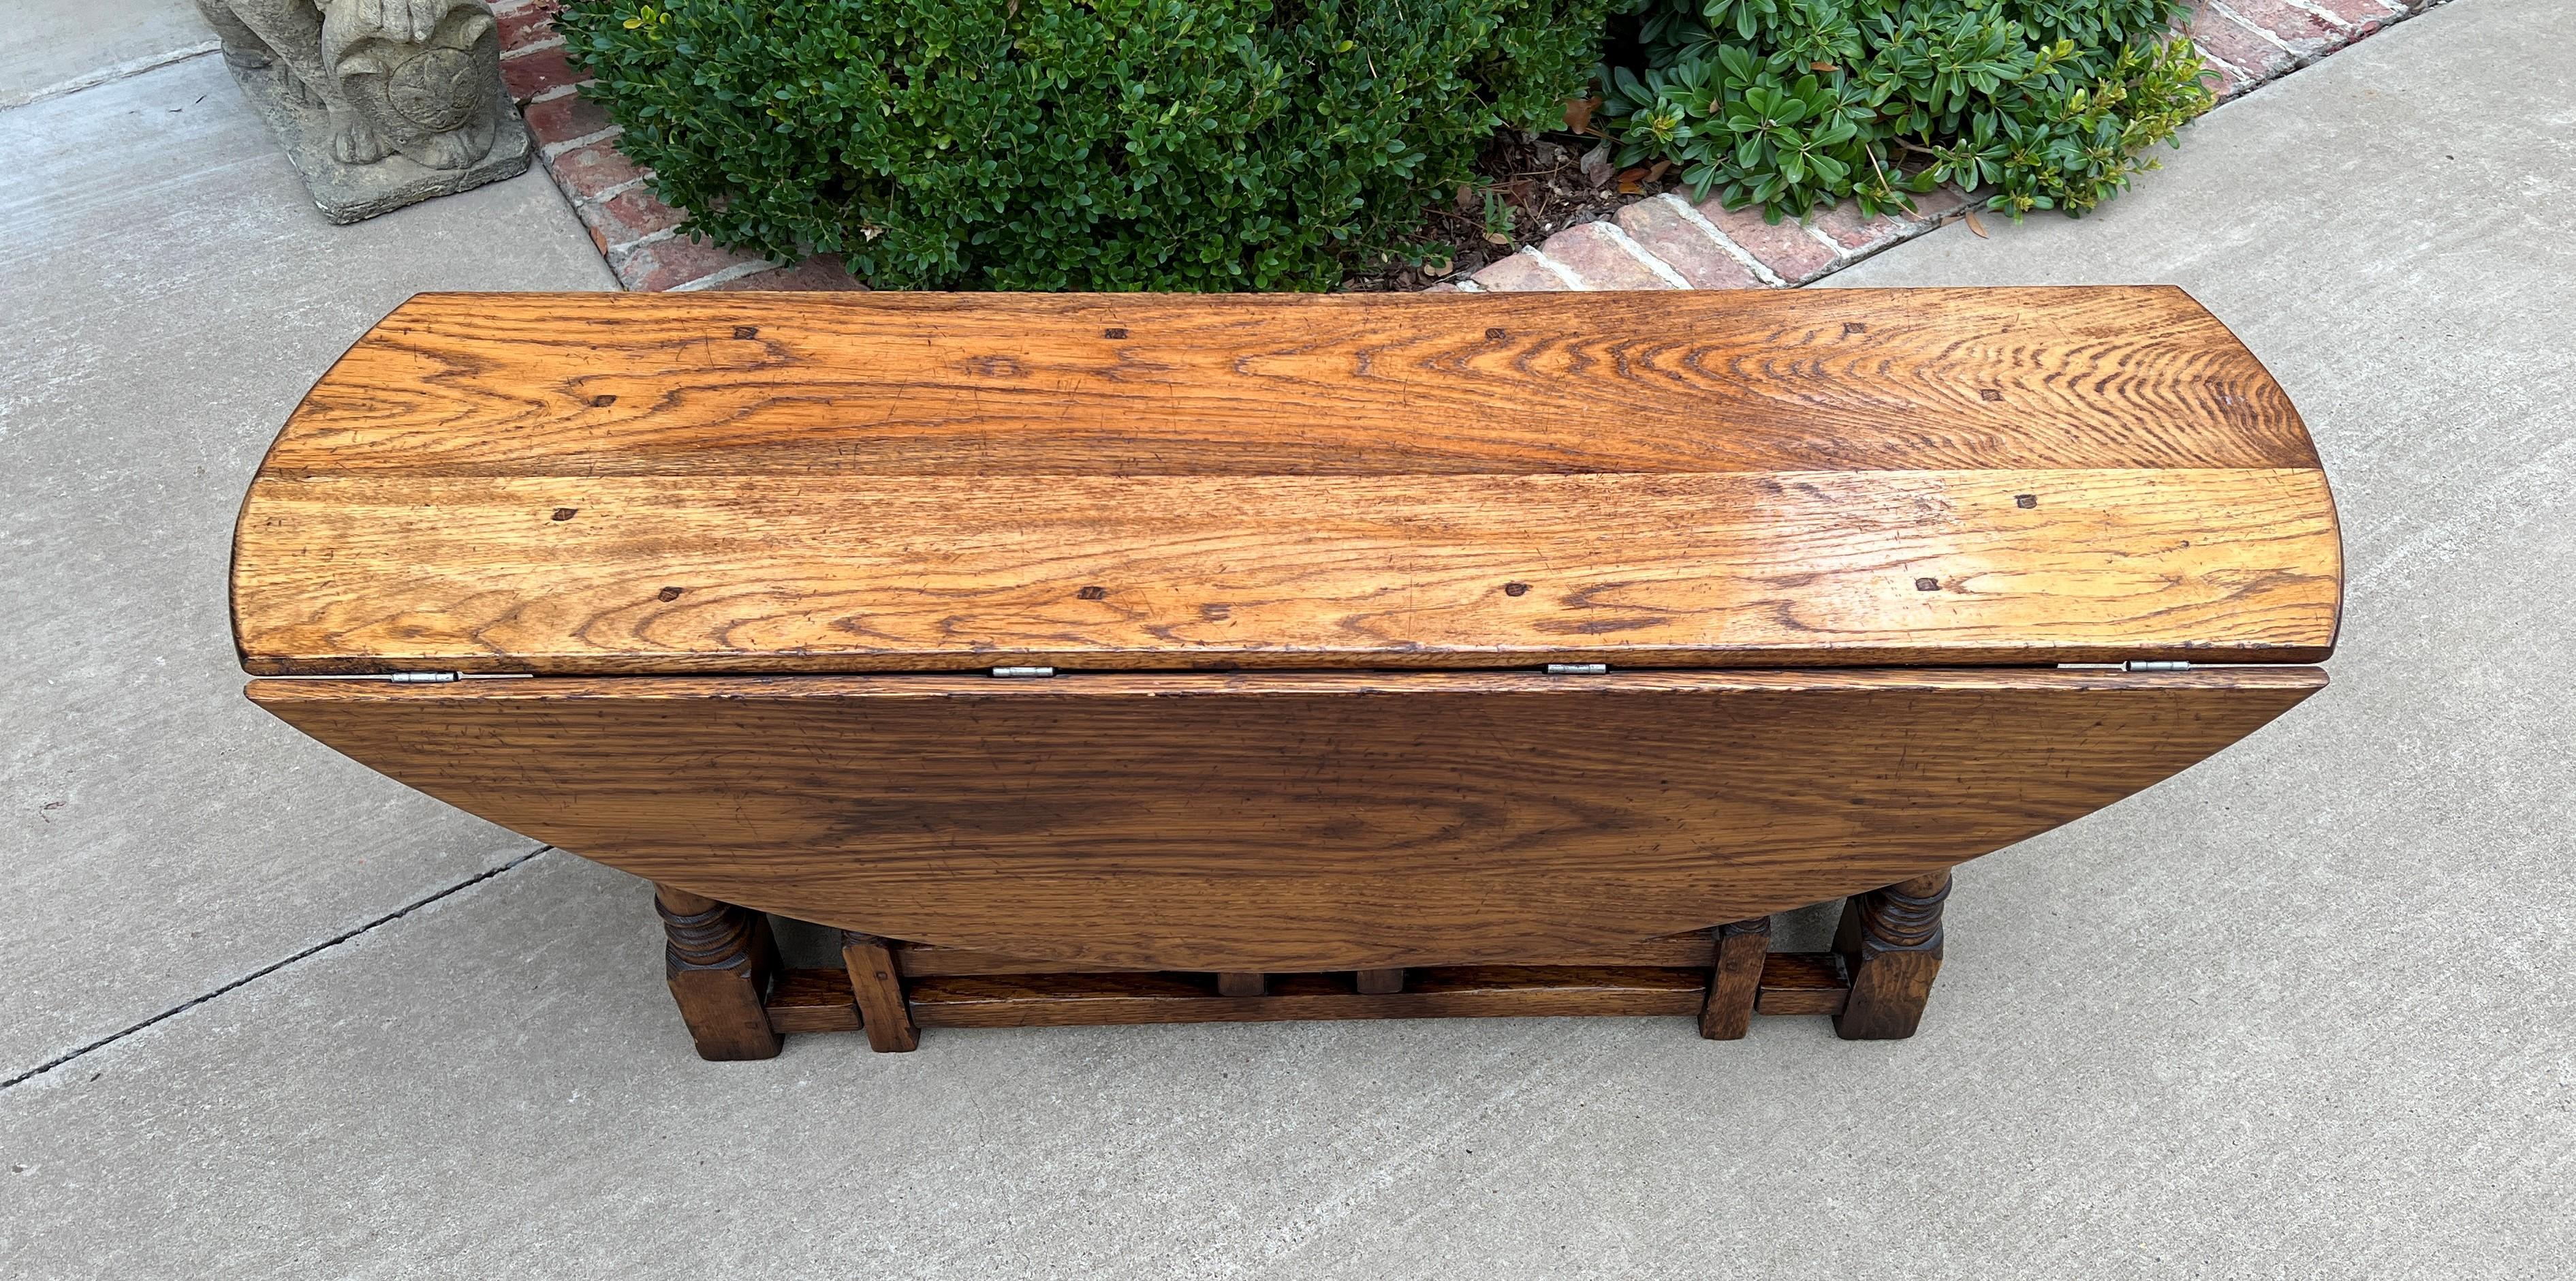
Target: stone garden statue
[{"x": 380, "y": 103}]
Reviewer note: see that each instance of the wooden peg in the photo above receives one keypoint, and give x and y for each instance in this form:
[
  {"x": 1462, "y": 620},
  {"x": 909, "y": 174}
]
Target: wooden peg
[
  {"x": 1238, "y": 984},
  {"x": 1735, "y": 978},
  {"x": 719, "y": 959},
  {"x": 1890, "y": 941},
  {"x": 883, "y": 1013}
]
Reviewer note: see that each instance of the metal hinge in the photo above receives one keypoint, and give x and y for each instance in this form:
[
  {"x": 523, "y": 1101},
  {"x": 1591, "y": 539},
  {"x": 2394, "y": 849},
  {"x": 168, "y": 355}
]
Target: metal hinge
[
  {"x": 1577, "y": 669},
  {"x": 1023, "y": 672},
  {"x": 2142, "y": 665}
]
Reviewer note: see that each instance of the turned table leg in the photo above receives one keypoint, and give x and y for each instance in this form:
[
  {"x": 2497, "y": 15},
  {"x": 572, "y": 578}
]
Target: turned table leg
[
  {"x": 719, "y": 959},
  {"x": 876, "y": 984},
  {"x": 1735, "y": 979},
  {"x": 1890, "y": 941}
]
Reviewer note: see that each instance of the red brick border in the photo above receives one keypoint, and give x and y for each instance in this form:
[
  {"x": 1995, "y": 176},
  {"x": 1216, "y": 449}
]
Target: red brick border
[
  {"x": 1663, "y": 242},
  {"x": 2246, "y": 43},
  {"x": 635, "y": 231}
]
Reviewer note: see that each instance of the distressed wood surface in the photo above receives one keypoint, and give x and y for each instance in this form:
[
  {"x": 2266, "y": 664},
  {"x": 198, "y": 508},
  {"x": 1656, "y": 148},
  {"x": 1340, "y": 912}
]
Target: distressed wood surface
[
  {"x": 1693, "y": 949},
  {"x": 596, "y": 484},
  {"x": 1286, "y": 822}
]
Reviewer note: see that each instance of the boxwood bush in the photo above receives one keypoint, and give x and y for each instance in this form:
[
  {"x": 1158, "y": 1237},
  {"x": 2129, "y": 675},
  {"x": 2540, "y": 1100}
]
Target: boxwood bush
[
  {"x": 1790, "y": 104},
  {"x": 1074, "y": 144}
]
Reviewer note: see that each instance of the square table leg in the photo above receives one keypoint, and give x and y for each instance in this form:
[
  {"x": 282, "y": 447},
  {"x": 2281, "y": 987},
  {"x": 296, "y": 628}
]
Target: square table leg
[
  {"x": 719, "y": 960},
  {"x": 1890, "y": 941}
]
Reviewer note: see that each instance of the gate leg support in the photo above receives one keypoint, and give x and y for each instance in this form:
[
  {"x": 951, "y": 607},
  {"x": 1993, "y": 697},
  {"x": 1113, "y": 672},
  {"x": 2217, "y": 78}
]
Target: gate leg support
[
  {"x": 1735, "y": 979},
  {"x": 1890, "y": 942},
  {"x": 719, "y": 959},
  {"x": 874, "y": 981}
]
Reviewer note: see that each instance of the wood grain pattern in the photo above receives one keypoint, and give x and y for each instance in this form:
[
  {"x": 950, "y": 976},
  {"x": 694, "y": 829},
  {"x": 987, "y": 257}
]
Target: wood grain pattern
[
  {"x": 1889, "y": 941},
  {"x": 1693, "y": 949},
  {"x": 718, "y": 960},
  {"x": 791, "y": 574},
  {"x": 997, "y": 384},
  {"x": 1735, "y": 978},
  {"x": 813, "y": 1001},
  {"x": 1290, "y": 822},
  {"x": 1802, "y": 983},
  {"x": 920, "y": 960},
  {"x": 876, "y": 988},
  {"x": 583, "y": 484}
]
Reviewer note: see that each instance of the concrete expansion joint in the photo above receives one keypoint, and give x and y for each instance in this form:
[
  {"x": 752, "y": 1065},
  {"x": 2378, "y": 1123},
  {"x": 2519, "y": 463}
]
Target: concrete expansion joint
[
  {"x": 264, "y": 971},
  {"x": 110, "y": 74}
]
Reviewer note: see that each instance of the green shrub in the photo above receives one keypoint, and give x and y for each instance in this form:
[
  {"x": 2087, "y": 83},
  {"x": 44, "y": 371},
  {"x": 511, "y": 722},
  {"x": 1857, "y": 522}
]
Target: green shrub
[
  {"x": 1790, "y": 104},
  {"x": 1065, "y": 144}
]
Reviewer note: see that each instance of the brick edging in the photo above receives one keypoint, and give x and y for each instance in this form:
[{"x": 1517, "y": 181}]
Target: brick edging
[
  {"x": 1662, "y": 242},
  {"x": 2244, "y": 43},
  {"x": 633, "y": 229}
]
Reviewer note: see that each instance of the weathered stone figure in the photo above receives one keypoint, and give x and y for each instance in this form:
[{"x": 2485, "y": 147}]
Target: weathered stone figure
[{"x": 400, "y": 86}]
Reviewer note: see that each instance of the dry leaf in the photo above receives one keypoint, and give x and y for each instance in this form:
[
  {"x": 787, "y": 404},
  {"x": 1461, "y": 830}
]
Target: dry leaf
[
  {"x": 1596, "y": 164},
  {"x": 1497, "y": 238},
  {"x": 1657, "y": 169},
  {"x": 1822, "y": 66},
  {"x": 1438, "y": 268},
  {"x": 1578, "y": 114},
  {"x": 1631, "y": 181},
  {"x": 1976, "y": 225}
]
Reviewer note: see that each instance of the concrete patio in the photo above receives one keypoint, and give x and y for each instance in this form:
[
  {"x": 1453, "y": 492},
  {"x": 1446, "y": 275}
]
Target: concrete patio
[{"x": 2306, "y": 1010}]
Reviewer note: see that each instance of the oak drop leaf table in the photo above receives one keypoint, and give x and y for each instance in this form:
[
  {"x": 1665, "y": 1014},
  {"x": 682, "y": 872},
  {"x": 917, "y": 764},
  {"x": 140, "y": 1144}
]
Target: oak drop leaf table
[{"x": 1115, "y": 659}]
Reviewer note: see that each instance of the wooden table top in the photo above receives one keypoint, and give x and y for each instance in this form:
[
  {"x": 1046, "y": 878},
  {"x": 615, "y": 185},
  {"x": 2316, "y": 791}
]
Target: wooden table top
[{"x": 612, "y": 484}]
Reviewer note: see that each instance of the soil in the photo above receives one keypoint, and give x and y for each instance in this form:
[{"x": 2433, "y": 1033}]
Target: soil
[{"x": 1534, "y": 188}]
